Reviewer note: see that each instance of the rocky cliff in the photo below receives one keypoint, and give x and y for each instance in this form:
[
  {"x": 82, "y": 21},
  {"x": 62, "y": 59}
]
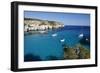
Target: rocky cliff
[{"x": 32, "y": 24}]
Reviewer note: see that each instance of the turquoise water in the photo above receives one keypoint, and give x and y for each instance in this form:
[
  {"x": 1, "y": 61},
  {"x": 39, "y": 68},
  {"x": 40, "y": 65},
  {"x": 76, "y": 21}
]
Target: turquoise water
[{"x": 45, "y": 46}]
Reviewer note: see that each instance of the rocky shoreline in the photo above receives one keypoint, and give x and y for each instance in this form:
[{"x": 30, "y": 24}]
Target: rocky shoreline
[{"x": 78, "y": 52}]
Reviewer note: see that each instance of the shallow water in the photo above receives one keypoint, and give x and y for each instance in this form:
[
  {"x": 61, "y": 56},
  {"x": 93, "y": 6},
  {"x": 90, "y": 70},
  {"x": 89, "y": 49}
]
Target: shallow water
[{"x": 46, "y": 45}]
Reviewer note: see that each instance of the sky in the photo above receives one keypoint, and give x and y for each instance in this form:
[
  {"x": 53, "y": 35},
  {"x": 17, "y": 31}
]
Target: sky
[{"x": 74, "y": 19}]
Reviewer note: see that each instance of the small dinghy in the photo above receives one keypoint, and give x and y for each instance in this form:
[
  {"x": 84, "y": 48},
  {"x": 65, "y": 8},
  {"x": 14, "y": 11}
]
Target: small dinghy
[
  {"x": 62, "y": 40},
  {"x": 81, "y": 35},
  {"x": 42, "y": 31},
  {"x": 53, "y": 35}
]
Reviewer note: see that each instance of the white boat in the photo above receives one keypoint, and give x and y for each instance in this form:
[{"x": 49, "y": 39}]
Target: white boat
[
  {"x": 62, "y": 40},
  {"x": 87, "y": 39},
  {"x": 53, "y": 35},
  {"x": 42, "y": 31},
  {"x": 81, "y": 35}
]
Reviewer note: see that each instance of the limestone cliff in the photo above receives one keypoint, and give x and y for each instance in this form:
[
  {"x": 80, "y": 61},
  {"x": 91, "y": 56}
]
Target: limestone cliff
[{"x": 32, "y": 24}]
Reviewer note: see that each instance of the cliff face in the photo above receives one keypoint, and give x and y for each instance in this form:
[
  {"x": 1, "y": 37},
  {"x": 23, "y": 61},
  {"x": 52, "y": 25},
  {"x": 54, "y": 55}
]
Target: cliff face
[{"x": 40, "y": 25}]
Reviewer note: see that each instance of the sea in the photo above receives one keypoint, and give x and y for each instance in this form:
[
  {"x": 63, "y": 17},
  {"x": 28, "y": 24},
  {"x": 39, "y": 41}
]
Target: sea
[{"x": 49, "y": 45}]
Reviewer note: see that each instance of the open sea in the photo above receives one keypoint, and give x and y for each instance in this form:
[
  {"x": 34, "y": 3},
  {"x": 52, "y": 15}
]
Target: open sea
[{"x": 44, "y": 46}]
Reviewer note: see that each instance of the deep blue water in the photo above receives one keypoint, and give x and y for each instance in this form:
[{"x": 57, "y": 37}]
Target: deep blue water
[{"x": 45, "y": 46}]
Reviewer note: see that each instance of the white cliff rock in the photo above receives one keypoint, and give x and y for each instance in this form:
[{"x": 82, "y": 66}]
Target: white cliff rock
[{"x": 40, "y": 25}]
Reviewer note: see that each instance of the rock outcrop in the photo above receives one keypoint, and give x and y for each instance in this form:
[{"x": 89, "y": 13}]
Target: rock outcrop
[{"x": 78, "y": 52}]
